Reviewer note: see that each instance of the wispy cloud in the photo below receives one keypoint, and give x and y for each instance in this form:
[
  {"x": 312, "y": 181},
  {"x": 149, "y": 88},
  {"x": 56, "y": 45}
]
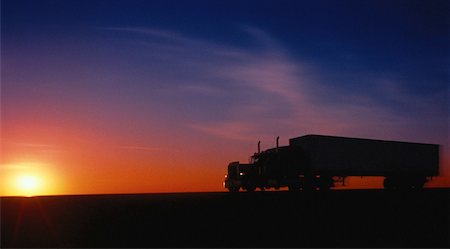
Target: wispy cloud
[
  {"x": 240, "y": 130},
  {"x": 41, "y": 148},
  {"x": 267, "y": 92},
  {"x": 23, "y": 166},
  {"x": 32, "y": 145},
  {"x": 142, "y": 148}
]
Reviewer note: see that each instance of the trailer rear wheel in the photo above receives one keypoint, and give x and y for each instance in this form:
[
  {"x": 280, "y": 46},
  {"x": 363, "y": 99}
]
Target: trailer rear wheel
[
  {"x": 388, "y": 184},
  {"x": 404, "y": 183},
  {"x": 294, "y": 188}
]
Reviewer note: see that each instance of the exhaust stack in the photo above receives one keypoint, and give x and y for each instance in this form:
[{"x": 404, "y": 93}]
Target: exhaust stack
[
  {"x": 259, "y": 147},
  {"x": 278, "y": 138}
]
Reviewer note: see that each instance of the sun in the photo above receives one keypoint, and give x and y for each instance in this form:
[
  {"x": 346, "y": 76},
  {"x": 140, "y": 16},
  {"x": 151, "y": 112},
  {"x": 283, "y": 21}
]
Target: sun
[
  {"x": 28, "y": 182},
  {"x": 29, "y": 185},
  {"x": 29, "y": 179}
]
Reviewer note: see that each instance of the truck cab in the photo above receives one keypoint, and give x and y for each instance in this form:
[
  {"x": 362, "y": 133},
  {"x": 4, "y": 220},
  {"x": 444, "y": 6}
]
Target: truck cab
[{"x": 239, "y": 176}]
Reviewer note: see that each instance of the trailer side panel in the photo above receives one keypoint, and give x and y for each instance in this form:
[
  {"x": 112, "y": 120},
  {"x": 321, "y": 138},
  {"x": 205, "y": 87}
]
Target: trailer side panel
[{"x": 368, "y": 157}]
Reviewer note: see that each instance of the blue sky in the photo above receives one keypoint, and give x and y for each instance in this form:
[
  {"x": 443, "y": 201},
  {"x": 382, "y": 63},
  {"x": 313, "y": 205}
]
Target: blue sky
[{"x": 391, "y": 54}]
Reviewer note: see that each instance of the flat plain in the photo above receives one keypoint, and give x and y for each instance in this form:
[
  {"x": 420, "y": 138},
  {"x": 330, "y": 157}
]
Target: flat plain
[{"x": 276, "y": 219}]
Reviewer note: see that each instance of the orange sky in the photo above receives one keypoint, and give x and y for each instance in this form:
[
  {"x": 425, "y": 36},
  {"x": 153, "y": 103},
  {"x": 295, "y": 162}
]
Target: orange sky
[{"x": 70, "y": 162}]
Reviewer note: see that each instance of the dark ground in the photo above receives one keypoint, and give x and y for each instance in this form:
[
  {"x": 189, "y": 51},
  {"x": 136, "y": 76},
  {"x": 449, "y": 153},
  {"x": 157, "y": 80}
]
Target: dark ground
[{"x": 351, "y": 218}]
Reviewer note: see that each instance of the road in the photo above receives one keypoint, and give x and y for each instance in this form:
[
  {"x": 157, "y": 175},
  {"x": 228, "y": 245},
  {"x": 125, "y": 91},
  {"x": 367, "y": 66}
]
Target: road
[{"x": 350, "y": 218}]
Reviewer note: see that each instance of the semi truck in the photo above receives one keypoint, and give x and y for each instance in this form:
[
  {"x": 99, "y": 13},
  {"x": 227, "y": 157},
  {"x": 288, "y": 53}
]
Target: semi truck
[{"x": 318, "y": 162}]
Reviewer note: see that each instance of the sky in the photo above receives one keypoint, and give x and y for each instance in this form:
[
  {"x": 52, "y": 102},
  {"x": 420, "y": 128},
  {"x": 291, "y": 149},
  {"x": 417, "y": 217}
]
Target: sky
[{"x": 101, "y": 96}]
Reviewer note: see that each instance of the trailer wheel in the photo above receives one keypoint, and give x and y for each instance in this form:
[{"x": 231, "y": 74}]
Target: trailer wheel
[
  {"x": 404, "y": 183},
  {"x": 325, "y": 182},
  {"x": 309, "y": 183},
  {"x": 388, "y": 184},
  {"x": 419, "y": 182},
  {"x": 294, "y": 188},
  {"x": 418, "y": 185},
  {"x": 250, "y": 188}
]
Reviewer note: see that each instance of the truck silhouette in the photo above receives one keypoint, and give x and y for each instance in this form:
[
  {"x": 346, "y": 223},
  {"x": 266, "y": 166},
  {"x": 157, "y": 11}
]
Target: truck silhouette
[{"x": 318, "y": 162}]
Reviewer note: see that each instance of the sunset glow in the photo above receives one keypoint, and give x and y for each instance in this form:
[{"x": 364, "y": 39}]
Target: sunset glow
[{"x": 29, "y": 179}]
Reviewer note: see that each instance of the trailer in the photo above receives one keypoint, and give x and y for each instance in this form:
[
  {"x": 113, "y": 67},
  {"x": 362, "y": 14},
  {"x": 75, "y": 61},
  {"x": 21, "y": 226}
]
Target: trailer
[{"x": 317, "y": 162}]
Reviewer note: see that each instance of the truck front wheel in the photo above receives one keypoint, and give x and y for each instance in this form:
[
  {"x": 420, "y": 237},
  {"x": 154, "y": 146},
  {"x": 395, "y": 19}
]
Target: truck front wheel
[{"x": 233, "y": 189}]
